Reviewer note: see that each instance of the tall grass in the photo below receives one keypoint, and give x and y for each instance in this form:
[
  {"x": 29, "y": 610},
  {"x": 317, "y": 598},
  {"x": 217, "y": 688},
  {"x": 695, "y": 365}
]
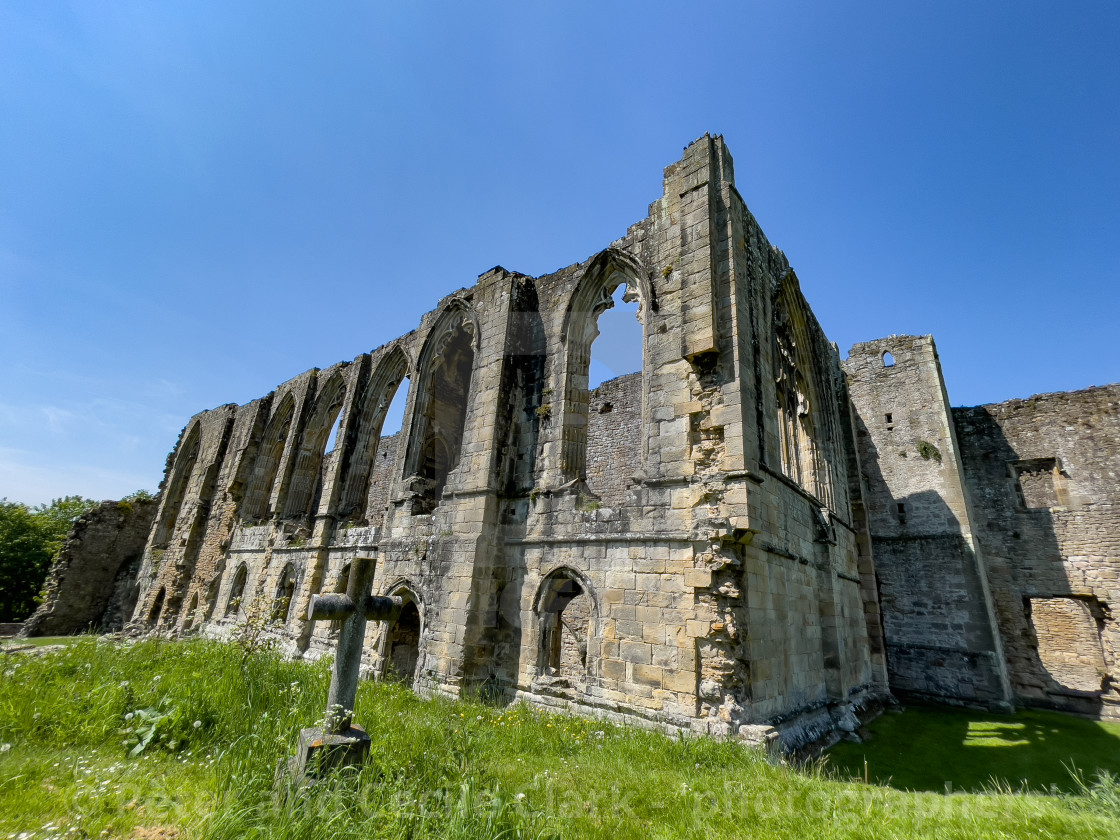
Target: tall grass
[{"x": 106, "y": 740}]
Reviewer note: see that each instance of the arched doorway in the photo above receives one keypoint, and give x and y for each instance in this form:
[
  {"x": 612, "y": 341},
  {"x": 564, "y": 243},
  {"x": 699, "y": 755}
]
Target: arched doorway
[
  {"x": 404, "y": 645},
  {"x": 188, "y": 620},
  {"x": 237, "y": 590},
  {"x": 285, "y": 592},
  {"x": 565, "y": 612},
  {"x": 157, "y": 607}
]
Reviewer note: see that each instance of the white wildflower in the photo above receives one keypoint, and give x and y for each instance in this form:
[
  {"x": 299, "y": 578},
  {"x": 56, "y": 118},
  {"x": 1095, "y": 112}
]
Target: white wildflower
[{"x": 197, "y": 724}]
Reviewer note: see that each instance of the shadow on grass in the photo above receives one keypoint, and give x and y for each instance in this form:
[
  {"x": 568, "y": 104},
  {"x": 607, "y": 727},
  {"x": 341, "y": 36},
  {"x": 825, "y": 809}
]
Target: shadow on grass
[{"x": 934, "y": 748}]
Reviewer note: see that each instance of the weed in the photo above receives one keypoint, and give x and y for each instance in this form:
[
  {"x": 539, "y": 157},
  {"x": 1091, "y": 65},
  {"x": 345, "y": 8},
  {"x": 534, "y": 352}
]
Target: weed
[{"x": 927, "y": 450}]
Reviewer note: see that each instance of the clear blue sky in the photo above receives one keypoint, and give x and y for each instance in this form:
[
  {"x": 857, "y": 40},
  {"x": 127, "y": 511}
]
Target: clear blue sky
[{"x": 200, "y": 200}]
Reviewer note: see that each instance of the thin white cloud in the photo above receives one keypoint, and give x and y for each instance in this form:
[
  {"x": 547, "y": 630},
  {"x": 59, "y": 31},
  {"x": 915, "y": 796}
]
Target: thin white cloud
[
  {"x": 100, "y": 447},
  {"x": 36, "y": 484}
]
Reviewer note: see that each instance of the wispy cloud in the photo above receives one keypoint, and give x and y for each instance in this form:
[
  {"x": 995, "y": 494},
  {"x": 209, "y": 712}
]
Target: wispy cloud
[
  {"x": 23, "y": 479},
  {"x": 101, "y": 447}
]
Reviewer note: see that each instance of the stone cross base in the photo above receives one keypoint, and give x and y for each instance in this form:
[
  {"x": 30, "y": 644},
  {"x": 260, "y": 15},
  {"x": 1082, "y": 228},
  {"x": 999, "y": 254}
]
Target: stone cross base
[{"x": 320, "y": 752}]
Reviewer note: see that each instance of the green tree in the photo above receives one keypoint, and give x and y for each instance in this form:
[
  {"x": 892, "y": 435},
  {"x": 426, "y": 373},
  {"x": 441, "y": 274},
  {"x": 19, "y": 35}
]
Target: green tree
[
  {"x": 30, "y": 538},
  {"x": 60, "y": 515}
]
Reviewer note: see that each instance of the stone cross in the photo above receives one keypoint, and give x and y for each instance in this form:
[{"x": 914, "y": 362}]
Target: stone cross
[{"x": 339, "y": 742}]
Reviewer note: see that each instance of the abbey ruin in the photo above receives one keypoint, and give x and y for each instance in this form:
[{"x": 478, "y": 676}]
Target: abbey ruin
[{"x": 750, "y": 537}]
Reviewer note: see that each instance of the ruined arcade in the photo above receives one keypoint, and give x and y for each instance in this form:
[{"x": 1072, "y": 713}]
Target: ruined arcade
[{"x": 701, "y": 546}]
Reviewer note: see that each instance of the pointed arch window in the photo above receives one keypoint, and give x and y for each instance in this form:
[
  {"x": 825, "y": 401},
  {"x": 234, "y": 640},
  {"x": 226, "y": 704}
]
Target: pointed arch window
[
  {"x": 594, "y": 296},
  {"x": 801, "y": 447},
  {"x": 156, "y": 611},
  {"x": 237, "y": 590},
  {"x": 382, "y": 393},
  {"x": 440, "y": 412},
  {"x": 177, "y": 486},
  {"x": 258, "y": 494},
  {"x": 306, "y": 483}
]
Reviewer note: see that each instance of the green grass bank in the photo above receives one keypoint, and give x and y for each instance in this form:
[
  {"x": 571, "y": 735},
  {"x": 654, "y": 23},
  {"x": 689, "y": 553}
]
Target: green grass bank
[{"x": 182, "y": 739}]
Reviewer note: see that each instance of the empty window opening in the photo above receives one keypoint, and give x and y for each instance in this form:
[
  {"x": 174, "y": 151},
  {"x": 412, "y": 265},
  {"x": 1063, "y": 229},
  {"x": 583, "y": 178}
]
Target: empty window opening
[
  {"x": 565, "y": 616},
  {"x": 890, "y": 419},
  {"x": 616, "y": 349},
  {"x": 900, "y": 509},
  {"x": 237, "y": 590},
  {"x": 332, "y": 437},
  {"x": 888, "y": 360},
  {"x": 394, "y": 415},
  {"x": 602, "y": 343},
  {"x": 365, "y": 484},
  {"x": 525, "y": 408},
  {"x": 311, "y": 464},
  {"x": 177, "y": 487},
  {"x": 157, "y": 607},
  {"x": 1039, "y": 483},
  {"x": 441, "y": 413},
  {"x": 404, "y": 645},
  {"x": 285, "y": 594},
  {"x": 613, "y": 445},
  {"x": 258, "y": 494}
]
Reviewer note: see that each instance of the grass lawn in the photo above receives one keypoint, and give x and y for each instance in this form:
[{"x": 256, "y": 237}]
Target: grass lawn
[
  {"x": 182, "y": 740},
  {"x": 926, "y": 747}
]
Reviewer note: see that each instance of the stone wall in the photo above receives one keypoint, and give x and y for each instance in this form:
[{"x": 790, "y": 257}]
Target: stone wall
[
  {"x": 1044, "y": 474},
  {"x": 92, "y": 582},
  {"x": 614, "y": 438},
  {"x": 381, "y": 481},
  {"x": 996, "y": 534}
]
